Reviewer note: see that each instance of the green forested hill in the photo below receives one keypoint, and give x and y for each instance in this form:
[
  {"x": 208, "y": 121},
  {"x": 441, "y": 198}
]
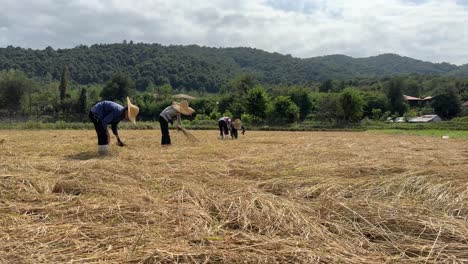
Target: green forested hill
[{"x": 195, "y": 67}]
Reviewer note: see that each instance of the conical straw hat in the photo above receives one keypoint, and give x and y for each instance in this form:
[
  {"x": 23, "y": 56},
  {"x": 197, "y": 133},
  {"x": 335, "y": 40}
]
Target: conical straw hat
[
  {"x": 183, "y": 107},
  {"x": 237, "y": 124},
  {"x": 184, "y": 96},
  {"x": 133, "y": 111}
]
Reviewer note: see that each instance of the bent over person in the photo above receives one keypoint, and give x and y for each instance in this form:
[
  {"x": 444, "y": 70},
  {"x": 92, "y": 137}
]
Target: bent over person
[
  {"x": 224, "y": 123},
  {"x": 168, "y": 115},
  {"x": 235, "y": 126},
  {"x": 107, "y": 113}
]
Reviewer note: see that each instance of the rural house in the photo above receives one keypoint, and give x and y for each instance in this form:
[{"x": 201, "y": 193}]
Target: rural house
[
  {"x": 416, "y": 101},
  {"x": 425, "y": 119}
]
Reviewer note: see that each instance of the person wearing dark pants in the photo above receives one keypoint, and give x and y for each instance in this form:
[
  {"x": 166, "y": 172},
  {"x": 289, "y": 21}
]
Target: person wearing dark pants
[
  {"x": 223, "y": 124},
  {"x": 168, "y": 115},
  {"x": 166, "y": 137},
  {"x": 235, "y": 126},
  {"x": 107, "y": 113},
  {"x": 100, "y": 130}
]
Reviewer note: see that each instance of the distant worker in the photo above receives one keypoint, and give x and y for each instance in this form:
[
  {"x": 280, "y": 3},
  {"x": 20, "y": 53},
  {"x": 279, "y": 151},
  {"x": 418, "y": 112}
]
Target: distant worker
[
  {"x": 235, "y": 126},
  {"x": 224, "y": 123},
  {"x": 169, "y": 114},
  {"x": 107, "y": 113}
]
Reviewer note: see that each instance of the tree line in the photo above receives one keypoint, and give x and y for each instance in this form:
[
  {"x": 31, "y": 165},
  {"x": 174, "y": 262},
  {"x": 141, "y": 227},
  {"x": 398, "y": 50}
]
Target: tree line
[
  {"x": 205, "y": 69},
  {"x": 244, "y": 96}
]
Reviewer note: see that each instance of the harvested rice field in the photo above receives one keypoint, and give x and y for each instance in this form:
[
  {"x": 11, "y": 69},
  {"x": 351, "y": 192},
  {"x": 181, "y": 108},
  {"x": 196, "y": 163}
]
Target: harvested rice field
[{"x": 269, "y": 197}]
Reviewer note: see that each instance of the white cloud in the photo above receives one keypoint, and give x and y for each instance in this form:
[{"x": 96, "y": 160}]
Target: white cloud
[{"x": 433, "y": 30}]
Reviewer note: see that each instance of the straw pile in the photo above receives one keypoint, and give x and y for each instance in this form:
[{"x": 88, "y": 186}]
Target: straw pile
[{"x": 271, "y": 197}]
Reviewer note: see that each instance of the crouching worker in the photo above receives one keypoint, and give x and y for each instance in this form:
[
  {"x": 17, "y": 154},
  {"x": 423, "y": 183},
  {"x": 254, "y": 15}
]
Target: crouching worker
[
  {"x": 169, "y": 114},
  {"x": 107, "y": 113},
  {"x": 235, "y": 126},
  {"x": 224, "y": 123}
]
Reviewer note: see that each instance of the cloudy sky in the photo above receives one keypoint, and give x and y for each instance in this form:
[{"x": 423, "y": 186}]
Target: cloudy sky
[{"x": 431, "y": 30}]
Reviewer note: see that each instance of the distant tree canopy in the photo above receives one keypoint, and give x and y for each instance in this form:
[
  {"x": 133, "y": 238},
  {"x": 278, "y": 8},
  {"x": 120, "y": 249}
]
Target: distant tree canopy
[
  {"x": 197, "y": 68},
  {"x": 13, "y": 86},
  {"x": 395, "y": 89},
  {"x": 447, "y": 103},
  {"x": 352, "y": 104},
  {"x": 259, "y": 86},
  {"x": 257, "y": 102},
  {"x": 328, "y": 108},
  {"x": 374, "y": 100},
  {"x": 118, "y": 88},
  {"x": 284, "y": 110},
  {"x": 241, "y": 84},
  {"x": 326, "y": 86},
  {"x": 300, "y": 97}
]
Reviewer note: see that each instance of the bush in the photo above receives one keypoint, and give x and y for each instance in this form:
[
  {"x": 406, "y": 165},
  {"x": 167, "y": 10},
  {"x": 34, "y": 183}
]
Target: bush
[
  {"x": 376, "y": 113},
  {"x": 463, "y": 119},
  {"x": 246, "y": 118},
  {"x": 215, "y": 115},
  {"x": 426, "y": 111},
  {"x": 202, "y": 117},
  {"x": 386, "y": 115},
  {"x": 228, "y": 114},
  {"x": 32, "y": 125},
  {"x": 464, "y": 112}
]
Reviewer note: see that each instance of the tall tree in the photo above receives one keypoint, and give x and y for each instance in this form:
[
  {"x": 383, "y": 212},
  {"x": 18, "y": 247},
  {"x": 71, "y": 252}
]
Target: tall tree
[
  {"x": 300, "y": 97},
  {"x": 447, "y": 103},
  {"x": 395, "y": 89},
  {"x": 374, "y": 100},
  {"x": 13, "y": 86},
  {"x": 328, "y": 108},
  {"x": 326, "y": 86},
  {"x": 341, "y": 86},
  {"x": 413, "y": 89},
  {"x": 82, "y": 101},
  {"x": 352, "y": 105},
  {"x": 64, "y": 83},
  {"x": 284, "y": 110},
  {"x": 165, "y": 90},
  {"x": 241, "y": 84},
  {"x": 118, "y": 88},
  {"x": 256, "y": 101}
]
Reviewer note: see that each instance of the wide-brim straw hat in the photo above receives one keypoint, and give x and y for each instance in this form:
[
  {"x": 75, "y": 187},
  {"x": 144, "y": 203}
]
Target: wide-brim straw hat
[
  {"x": 237, "y": 124},
  {"x": 183, "y": 107},
  {"x": 184, "y": 96},
  {"x": 133, "y": 111}
]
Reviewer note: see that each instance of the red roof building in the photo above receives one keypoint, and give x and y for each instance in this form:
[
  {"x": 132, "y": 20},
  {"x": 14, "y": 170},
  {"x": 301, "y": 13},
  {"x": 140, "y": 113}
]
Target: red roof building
[{"x": 416, "y": 101}]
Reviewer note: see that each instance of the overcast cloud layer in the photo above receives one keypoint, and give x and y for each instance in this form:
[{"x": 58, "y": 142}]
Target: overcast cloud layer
[{"x": 433, "y": 30}]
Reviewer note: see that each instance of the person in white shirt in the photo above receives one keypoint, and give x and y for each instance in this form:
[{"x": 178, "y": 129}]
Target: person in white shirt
[
  {"x": 223, "y": 124},
  {"x": 169, "y": 114}
]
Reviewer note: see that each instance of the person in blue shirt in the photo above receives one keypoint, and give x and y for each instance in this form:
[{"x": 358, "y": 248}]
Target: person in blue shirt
[
  {"x": 107, "y": 113},
  {"x": 168, "y": 115}
]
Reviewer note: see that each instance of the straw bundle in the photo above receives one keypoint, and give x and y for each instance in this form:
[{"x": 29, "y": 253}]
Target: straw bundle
[{"x": 189, "y": 135}]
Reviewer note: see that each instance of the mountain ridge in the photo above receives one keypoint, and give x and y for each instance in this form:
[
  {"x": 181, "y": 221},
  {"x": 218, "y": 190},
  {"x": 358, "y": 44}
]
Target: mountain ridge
[{"x": 197, "y": 67}]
